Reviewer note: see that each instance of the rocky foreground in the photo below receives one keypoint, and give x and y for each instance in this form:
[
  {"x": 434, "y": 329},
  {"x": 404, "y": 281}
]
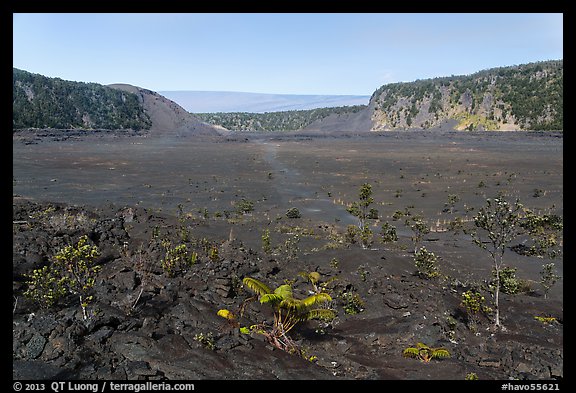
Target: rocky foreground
[{"x": 145, "y": 325}]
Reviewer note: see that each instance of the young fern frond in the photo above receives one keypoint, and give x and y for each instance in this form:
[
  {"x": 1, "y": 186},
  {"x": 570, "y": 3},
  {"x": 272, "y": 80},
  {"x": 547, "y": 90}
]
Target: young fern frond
[
  {"x": 258, "y": 287},
  {"x": 319, "y": 313},
  {"x": 284, "y": 291},
  {"x": 291, "y": 303},
  {"x": 411, "y": 353},
  {"x": 316, "y": 299},
  {"x": 270, "y": 298},
  {"x": 425, "y": 353},
  {"x": 440, "y": 353}
]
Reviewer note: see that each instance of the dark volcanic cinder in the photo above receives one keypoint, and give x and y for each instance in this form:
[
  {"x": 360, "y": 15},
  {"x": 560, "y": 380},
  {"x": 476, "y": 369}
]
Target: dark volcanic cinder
[{"x": 138, "y": 197}]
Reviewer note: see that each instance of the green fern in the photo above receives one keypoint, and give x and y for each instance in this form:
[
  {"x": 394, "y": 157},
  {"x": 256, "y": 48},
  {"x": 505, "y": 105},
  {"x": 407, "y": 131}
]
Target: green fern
[
  {"x": 258, "y": 287},
  {"x": 425, "y": 353},
  {"x": 288, "y": 310},
  {"x": 411, "y": 352}
]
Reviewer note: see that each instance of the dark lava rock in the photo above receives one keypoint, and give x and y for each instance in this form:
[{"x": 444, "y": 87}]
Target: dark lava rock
[{"x": 145, "y": 325}]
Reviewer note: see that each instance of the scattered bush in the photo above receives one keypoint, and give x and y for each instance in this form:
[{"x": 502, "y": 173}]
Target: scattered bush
[
  {"x": 293, "y": 212},
  {"x": 266, "y": 244},
  {"x": 244, "y": 206},
  {"x": 177, "y": 259},
  {"x": 426, "y": 264},
  {"x": 548, "y": 278},
  {"x": 388, "y": 233},
  {"x": 508, "y": 282},
  {"x": 473, "y": 303},
  {"x": 73, "y": 271},
  {"x": 425, "y": 353}
]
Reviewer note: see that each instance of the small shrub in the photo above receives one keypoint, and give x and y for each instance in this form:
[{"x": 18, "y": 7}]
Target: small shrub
[
  {"x": 214, "y": 254},
  {"x": 45, "y": 286},
  {"x": 334, "y": 263},
  {"x": 388, "y": 233},
  {"x": 72, "y": 272},
  {"x": 207, "y": 340},
  {"x": 177, "y": 259},
  {"x": 353, "y": 303},
  {"x": 426, "y": 264},
  {"x": 508, "y": 282},
  {"x": 266, "y": 244},
  {"x": 398, "y": 214},
  {"x": 352, "y": 233},
  {"x": 548, "y": 277},
  {"x": 473, "y": 303},
  {"x": 366, "y": 237},
  {"x": 293, "y": 212},
  {"x": 244, "y": 206}
]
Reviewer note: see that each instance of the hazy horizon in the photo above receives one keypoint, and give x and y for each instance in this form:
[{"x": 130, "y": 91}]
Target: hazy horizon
[{"x": 278, "y": 53}]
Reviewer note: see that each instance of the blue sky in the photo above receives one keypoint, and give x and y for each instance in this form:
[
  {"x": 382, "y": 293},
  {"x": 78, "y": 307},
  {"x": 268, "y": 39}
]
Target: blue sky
[{"x": 284, "y": 53}]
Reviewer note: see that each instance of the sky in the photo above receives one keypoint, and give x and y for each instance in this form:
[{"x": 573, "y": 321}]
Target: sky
[{"x": 279, "y": 53}]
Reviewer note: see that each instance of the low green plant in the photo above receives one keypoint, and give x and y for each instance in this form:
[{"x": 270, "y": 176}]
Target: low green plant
[
  {"x": 546, "y": 320},
  {"x": 548, "y": 277},
  {"x": 73, "y": 271},
  {"x": 214, "y": 254},
  {"x": 353, "y": 303},
  {"x": 471, "y": 377},
  {"x": 473, "y": 303},
  {"x": 177, "y": 259},
  {"x": 509, "y": 283},
  {"x": 449, "y": 206},
  {"x": 352, "y": 233},
  {"x": 419, "y": 228},
  {"x": 290, "y": 248},
  {"x": 288, "y": 311},
  {"x": 362, "y": 273},
  {"x": 425, "y": 353},
  {"x": 45, "y": 286},
  {"x": 388, "y": 233},
  {"x": 334, "y": 263},
  {"x": 244, "y": 206},
  {"x": 293, "y": 212},
  {"x": 206, "y": 339},
  {"x": 426, "y": 264},
  {"x": 266, "y": 243}
]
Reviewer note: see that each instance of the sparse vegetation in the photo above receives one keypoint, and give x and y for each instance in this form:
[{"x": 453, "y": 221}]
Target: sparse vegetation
[
  {"x": 548, "y": 277},
  {"x": 177, "y": 259},
  {"x": 73, "y": 271},
  {"x": 474, "y": 304},
  {"x": 426, "y": 264},
  {"x": 425, "y": 353},
  {"x": 293, "y": 212},
  {"x": 288, "y": 310},
  {"x": 273, "y": 121},
  {"x": 499, "y": 222},
  {"x": 364, "y": 212},
  {"x": 388, "y": 233}
]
